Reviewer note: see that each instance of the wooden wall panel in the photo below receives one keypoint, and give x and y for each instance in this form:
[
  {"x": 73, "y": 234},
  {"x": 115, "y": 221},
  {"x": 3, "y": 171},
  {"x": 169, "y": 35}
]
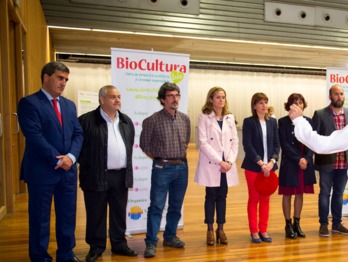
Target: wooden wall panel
[
  {"x": 38, "y": 51},
  {"x": 24, "y": 51}
]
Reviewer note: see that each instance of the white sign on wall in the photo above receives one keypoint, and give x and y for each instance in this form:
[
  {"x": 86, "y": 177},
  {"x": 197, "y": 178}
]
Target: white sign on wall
[
  {"x": 138, "y": 75},
  {"x": 86, "y": 101}
]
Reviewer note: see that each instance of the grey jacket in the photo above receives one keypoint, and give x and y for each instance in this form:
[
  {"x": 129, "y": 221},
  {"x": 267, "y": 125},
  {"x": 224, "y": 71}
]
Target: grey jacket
[{"x": 324, "y": 124}]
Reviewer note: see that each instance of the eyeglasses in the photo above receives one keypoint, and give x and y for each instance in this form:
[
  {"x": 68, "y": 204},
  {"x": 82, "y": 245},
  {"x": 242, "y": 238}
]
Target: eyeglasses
[{"x": 173, "y": 96}]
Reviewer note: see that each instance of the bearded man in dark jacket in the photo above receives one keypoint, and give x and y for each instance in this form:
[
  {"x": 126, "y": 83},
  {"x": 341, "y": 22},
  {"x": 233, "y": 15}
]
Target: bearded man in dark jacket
[{"x": 106, "y": 173}]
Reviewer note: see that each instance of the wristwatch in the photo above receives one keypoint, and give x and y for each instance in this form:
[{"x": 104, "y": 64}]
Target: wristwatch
[{"x": 273, "y": 160}]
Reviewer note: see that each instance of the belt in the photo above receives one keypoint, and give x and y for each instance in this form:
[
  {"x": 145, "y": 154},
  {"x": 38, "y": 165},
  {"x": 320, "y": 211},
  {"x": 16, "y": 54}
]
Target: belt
[{"x": 170, "y": 161}]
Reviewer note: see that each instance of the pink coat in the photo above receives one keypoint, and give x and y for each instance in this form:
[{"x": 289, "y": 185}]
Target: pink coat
[{"x": 214, "y": 143}]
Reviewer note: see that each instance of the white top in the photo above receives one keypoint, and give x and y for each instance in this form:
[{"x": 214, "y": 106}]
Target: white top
[
  {"x": 117, "y": 157},
  {"x": 336, "y": 142},
  {"x": 264, "y": 140}
]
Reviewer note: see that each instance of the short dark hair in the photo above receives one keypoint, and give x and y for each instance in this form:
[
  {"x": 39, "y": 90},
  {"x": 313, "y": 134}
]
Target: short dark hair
[
  {"x": 166, "y": 87},
  {"x": 51, "y": 67},
  {"x": 292, "y": 99}
]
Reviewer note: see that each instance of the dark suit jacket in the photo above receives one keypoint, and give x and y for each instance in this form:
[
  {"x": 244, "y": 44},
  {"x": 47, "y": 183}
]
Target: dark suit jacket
[
  {"x": 324, "y": 124},
  {"x": 253, "y": 145},
  {"x": 292, "y": 152},
  {"x": 45, "y": 138}
]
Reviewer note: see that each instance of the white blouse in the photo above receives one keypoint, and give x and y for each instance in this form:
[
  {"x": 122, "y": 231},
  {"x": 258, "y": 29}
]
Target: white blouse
[{"x": 264, "y": 140}]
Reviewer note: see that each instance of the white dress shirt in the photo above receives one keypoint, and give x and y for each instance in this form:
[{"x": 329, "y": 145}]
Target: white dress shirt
[{"x": 117, "y": 157}]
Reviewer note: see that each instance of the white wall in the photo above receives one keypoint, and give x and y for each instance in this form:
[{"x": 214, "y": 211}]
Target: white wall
[{"x": 240, "y": 86}]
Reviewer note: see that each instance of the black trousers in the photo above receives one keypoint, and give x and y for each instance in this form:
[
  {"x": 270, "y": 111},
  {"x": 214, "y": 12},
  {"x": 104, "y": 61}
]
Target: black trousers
[
  {"x": 116, "y": 197},
  {"x": 215, "y": 198}
]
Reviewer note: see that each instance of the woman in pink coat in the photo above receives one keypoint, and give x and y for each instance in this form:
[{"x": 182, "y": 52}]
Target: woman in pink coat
[{"x": 216, "y": 170}]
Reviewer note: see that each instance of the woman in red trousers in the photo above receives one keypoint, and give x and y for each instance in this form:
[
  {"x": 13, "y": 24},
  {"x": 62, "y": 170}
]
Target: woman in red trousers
[{"x": 261, "y": 146}]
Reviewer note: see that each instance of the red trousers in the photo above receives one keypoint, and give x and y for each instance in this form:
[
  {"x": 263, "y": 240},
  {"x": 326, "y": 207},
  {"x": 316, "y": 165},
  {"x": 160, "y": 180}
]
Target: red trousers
[{"x": 256, "y": 202}]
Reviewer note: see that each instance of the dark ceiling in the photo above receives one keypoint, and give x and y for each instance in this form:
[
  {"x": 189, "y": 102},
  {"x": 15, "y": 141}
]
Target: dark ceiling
[{"x": 97, "y": 43}]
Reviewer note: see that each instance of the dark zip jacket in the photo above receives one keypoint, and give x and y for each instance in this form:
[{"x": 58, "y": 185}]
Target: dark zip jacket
[{"x": 93, "y": 156}]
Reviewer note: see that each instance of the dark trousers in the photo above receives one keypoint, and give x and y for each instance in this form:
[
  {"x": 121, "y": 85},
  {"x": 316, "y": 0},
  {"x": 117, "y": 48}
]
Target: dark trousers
[
  {"x": 116, "y": 196},
  {"x": 40, "y": 201},
  {"x": 215, "y": 198}
]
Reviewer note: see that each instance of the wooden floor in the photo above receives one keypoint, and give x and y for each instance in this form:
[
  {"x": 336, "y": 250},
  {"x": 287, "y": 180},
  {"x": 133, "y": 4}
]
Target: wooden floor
[{"x": 14, "y": 238}]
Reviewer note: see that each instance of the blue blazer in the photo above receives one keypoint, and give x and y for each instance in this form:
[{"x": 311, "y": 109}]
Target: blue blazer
[
  {"x": 253, "y": 145},
  {"x": 45, "y": 138},
  {"x": 292, "y": 152}
]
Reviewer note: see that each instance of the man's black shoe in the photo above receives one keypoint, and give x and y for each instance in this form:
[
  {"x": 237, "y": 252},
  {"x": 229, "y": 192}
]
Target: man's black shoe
[
  {"x": 125, "y": 252},
  {"x": 93, "y": 255}
]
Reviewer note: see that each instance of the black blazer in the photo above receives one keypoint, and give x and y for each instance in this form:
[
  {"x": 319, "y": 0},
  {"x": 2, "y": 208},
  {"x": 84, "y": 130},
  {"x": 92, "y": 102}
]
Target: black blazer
[
  {"x": 253, "y": 145},
  {"x": 291, "y": 155},
  {"x": 324, "y": 124}
]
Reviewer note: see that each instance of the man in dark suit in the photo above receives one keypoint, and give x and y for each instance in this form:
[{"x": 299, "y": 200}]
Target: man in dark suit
[
  {"x": 332, "y": 168},
  {"x": 53, "y": 140}
]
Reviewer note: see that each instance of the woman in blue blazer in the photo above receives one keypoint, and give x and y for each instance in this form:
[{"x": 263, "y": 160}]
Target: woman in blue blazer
[
  {"x": 296, "y": 173},
  {"x": 261, "y": 146}
]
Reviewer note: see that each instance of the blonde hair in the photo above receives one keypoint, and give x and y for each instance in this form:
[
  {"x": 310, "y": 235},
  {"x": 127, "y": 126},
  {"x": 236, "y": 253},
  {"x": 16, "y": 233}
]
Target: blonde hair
[{"x": 208, "y": 106}]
